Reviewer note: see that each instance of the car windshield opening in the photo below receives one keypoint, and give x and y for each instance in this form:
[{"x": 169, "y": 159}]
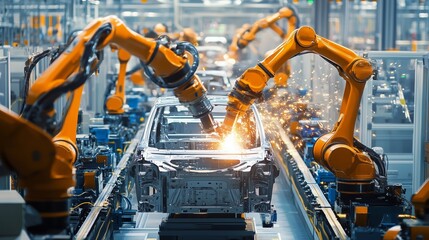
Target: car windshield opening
[{"x": 175, "y": 128}]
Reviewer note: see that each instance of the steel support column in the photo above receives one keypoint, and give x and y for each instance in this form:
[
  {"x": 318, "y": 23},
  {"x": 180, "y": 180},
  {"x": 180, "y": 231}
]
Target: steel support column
[
  {"x": 321, "y": 19},
  {"x": 5, "y": 100},
  {"x": 5, "y": 88},
  {"x": 345, "y": 23},
  {"x": 386, "y": 25}
]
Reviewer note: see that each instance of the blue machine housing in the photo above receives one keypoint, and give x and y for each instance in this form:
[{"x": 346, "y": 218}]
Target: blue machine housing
[
  {"x": 101, "y": 133},
  {"x": 138, "y": 107},
  {"x": 324, "y": 176}
]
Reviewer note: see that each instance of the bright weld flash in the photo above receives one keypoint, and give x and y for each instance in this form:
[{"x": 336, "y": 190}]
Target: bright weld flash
[{"x": 231, "y": 143}]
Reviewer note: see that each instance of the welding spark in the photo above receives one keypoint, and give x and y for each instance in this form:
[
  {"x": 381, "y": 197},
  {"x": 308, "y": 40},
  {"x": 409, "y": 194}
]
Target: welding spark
[{"x": 231, "y": 143}]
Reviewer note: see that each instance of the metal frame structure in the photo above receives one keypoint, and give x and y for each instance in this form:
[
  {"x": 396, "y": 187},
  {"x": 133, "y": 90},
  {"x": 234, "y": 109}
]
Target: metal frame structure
[
  {"x": 5, "y": 84},
  {"x": 321, "y": 23},
  {"x": 5, "y": 98},
  {"x": 418, "y": 126},
  {"x": 172, "y": 178}
]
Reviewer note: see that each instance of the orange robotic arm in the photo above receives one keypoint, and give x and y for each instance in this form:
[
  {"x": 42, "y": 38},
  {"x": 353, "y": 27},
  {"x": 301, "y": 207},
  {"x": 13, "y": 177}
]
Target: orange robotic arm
[
  {"x": 418, "y": 227},
  {"x": 47, "y": 190},
  {"x": 33, "y": 157},
  {"x": 233, "y": 48},
  {"x": 115, "y": 103},
  {"x": 188, "y": 35},
  {"x": 270, "y": 22},
  {"x": 283, "y": 73},
  {"x": 174, "y": 69},
  {"x": 335, "y": 151},
  {"x": 420, "y": 201},
  {"x": 137, "y": 78}
]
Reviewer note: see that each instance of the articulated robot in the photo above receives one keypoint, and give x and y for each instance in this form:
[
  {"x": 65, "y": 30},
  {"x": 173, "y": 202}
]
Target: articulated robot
[
  {"x": 115, "y": 103},
  {"x": 116, "y": 94},
  {"x": 360, "y": 173},
  {"x": 44, "y": 163},
  {"x": 246, "y": 35},
  {"x": 335, "y": 150},
  {"x": 187, "y": 35},
  {"x": 233, "y": 47}
]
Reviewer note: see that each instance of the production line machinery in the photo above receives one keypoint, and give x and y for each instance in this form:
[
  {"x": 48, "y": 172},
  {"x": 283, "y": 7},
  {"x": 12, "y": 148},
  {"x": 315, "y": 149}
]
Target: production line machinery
[
  {"x": 102, "y": 149},
  {"x": 388, "y": 97},
  {"x": 361, "y": 191}
]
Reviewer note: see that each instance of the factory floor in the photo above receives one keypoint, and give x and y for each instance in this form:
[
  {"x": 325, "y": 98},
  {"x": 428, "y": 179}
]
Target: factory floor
[{"x": 290, "y": 224}]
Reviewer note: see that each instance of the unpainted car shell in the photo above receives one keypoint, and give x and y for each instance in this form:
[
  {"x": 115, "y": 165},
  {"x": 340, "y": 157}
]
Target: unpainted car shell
[{"x": 209, "y": 181}]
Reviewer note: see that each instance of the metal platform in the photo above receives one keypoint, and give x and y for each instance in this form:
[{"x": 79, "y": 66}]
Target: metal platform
[{"x": 290, "y": 223}]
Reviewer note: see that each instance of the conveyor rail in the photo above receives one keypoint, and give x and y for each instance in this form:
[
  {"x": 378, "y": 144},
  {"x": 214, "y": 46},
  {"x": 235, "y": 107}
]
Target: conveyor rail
[
  {"x": 310, "y": 199},
  {"x": 107, "y": 190}
]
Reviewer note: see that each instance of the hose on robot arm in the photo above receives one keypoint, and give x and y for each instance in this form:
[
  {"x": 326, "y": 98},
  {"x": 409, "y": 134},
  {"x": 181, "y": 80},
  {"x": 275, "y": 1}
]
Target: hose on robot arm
[
  {"x": 33, "y": 60},
  {"x": 180, "y": 48},
  {"x": 39, "y": 113}
]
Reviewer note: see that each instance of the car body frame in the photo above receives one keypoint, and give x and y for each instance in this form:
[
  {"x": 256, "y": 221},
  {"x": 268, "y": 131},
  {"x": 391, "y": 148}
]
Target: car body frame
[{"x": 179, "y": 169}]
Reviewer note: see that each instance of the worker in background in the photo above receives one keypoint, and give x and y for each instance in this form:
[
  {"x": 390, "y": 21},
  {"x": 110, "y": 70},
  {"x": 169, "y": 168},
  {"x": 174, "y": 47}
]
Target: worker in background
[{"x": 186, "y": 34}]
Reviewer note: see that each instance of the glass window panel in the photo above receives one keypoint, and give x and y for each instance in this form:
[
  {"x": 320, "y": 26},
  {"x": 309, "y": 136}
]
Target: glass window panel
[
  {"x": 393, "y": 141},
  {"x": 175, "y": 128},
  {"x": 392, "y": 96},
  {"x": 412, "y": 25}
]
